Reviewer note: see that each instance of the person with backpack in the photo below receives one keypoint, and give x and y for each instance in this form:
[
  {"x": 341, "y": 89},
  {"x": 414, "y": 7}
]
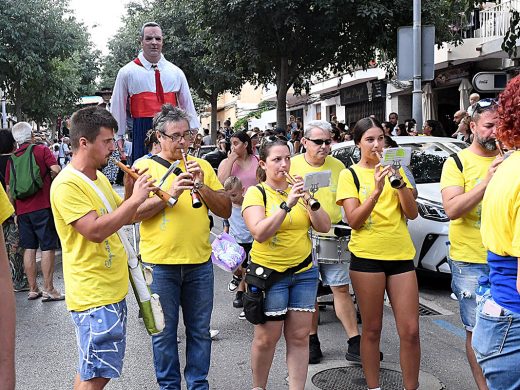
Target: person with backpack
[
  {"x": 28, "y": 177},
  {"x": 382, "y": 252},
  {"x": 464, "y": 180}
]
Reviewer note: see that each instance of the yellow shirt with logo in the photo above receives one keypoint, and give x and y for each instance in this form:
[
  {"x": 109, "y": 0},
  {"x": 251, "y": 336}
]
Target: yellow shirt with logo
[
  {"x": 501, "y": 209},
  {"x": 291, "y": 244},
  {"x": 325, "y": 195},
  {"x": 178, "y": 234},
  {"x": 6, "y": 208},
  {"x": 464, "y": 232},
  {"x": 94, "y": 274},
  {"x": 384, "y": 235}
]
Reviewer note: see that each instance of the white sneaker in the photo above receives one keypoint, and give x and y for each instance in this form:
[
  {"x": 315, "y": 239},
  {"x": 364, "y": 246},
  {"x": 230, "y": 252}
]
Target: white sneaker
[
  {"x": 233, "y": 284},
  {"x": 454, "y": 297},
  {"x": 242, "y": 315},
  {"x": 213, "y": 333}
]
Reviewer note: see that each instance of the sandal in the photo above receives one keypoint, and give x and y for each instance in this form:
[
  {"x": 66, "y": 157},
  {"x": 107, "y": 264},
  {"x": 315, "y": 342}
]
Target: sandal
[
  {"x": 54, "y": 296},
  {"x": 32, "y": 295}
]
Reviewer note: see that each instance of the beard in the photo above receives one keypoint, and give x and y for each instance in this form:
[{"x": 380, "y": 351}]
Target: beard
[{"x": 487, "y": 143}]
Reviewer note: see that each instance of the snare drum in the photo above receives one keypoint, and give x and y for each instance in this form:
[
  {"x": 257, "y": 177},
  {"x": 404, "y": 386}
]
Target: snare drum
[{"x": 331, "y": 247}]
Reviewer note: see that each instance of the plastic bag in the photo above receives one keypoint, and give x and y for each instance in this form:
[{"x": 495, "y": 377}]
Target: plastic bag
[{"x": 227, "y": 254}]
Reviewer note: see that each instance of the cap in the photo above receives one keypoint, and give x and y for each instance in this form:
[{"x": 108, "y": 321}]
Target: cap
[{"x": 252, "y": 134}]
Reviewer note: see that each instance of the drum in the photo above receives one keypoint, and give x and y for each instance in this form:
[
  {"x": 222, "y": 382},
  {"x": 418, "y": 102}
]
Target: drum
[{"x": 331, "y": 247}]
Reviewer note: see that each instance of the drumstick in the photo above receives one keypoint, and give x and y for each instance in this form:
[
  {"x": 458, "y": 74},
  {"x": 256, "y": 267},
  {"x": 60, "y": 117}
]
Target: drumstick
[{"x": 160, "y": 193}]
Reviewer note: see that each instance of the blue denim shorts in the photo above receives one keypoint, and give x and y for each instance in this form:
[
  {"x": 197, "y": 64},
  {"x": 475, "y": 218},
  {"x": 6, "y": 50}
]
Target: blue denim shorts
[
  {"x": 464, "y": 282},
  {"x": 101, "y": 338},
  {"x": 335, "y": 275},
  {"x": 293, "y": 292},
  {"x": 495, "y": 340}
]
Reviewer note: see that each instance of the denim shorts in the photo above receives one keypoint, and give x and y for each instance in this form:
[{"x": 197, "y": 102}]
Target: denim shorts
[
  {"x": 464, "y": 282},
  {"x": 101, "y": 338},
  {"x": 335, "y": 275},
  {"x": 293, "y": 292},
  {"x": 495, "y": 340}
]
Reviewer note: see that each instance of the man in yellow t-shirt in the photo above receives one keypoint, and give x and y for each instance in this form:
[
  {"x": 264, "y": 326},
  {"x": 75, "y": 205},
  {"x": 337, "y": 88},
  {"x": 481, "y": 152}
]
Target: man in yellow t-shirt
[
  {"x": 463, "y": 182},
  {"x": 317, "y": 140},
  {"x": 7, "y": 309},
  {"x": 95, "y": 267},
  {"x": 175, "y": 242}
]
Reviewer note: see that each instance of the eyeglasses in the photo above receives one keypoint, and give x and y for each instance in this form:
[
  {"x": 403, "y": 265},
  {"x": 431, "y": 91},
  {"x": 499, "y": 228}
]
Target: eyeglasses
[
  {"x": 483, "y": 105},
  {"x": 177, "y": 137},
  {"x": 321, "y": 141}
]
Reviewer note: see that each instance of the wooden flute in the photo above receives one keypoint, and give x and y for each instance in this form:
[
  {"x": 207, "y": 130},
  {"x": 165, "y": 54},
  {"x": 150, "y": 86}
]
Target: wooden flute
[{"x": 166, "y": 197}]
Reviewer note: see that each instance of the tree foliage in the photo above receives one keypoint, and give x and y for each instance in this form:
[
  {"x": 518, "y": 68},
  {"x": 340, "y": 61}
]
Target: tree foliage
[{"x": 46, "y": 58}]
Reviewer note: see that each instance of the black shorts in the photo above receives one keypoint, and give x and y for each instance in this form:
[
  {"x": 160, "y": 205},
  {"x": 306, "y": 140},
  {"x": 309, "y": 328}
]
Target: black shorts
[
  {"x": 37, "y": 230},
  {"x": 388, "y": 267},
  {"x": 247, "y": 248}
]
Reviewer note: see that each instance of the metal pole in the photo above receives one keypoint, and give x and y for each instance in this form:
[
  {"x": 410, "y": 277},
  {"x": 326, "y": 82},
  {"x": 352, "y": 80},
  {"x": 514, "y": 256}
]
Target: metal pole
[
  {"x": 4, "y": 111},
  {"x": 417, "y": 65}
]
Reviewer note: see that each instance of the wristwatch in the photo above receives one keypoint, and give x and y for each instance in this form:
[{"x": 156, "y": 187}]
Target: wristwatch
[{"x": 284, "y": 207}]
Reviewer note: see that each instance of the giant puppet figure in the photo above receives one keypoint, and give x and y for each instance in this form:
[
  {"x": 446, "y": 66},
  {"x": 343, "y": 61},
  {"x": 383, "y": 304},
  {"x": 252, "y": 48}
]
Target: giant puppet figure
[{"x": 146, "y": 83}]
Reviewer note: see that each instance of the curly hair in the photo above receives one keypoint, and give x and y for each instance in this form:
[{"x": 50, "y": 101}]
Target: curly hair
[{"x": 508, "y": 129}]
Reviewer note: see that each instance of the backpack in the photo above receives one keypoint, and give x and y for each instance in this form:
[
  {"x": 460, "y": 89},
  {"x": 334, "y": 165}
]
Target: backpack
[{"x": 24, "y": 177}]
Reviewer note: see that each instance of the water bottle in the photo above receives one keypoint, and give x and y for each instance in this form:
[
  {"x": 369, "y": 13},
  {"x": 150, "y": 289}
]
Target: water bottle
[
  {"x": 253, "y": 289},
  {"x": 482, "y": 288}
]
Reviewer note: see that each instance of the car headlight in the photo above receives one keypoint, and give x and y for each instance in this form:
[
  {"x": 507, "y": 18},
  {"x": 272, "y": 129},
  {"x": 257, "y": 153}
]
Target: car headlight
[{"x": 431, "y": 210}]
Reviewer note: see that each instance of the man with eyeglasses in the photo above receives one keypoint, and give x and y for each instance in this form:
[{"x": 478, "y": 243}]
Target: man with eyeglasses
[
  {"x": 146, "y": 83},
  {"x": 317, "y": 142},
  {"x": 175, "y": 243},
  {"x": 464, "y": 179}
]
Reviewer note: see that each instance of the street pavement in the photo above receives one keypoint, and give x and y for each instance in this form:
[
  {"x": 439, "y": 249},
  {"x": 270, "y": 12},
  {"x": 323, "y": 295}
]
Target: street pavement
[{"x": 46, "y": 348}]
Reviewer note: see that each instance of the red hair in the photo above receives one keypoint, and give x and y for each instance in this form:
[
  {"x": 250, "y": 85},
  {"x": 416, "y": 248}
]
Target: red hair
[{"x": 508, "y": 129}]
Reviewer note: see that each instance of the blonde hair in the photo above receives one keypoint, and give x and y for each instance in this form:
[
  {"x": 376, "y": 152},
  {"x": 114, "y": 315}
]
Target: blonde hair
[{"x": 231, "y": 183}]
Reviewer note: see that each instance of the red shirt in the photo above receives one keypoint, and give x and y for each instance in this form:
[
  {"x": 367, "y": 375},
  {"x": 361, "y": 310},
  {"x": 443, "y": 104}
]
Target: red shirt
[{"x": 40, "y": 200}]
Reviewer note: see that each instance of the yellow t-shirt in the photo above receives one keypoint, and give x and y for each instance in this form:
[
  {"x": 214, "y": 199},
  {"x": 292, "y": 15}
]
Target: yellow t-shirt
[
  {"x": 384, "y": 235},
  {"x": 501, "y": 209},
  {"x": 178, "y": 234},
  {"x": 291, "y": 243},
  {"x": 94, "y": 274},
  {"x": 464, "y": 233},
  {"x": 325, "y": 195},
  {"x": 6, "y": 208}
]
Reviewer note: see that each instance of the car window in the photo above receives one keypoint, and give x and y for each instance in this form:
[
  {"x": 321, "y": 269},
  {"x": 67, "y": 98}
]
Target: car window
[
  {"x": 347, "y": 155},
  {"x": 428, "y": 158}
]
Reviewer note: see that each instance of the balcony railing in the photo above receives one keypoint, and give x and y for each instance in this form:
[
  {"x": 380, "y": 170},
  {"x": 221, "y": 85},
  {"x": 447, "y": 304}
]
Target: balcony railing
[{"x": 489, "y": 23}]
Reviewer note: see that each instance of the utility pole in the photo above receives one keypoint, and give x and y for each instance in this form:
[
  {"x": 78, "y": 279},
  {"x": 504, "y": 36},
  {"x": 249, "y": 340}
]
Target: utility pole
[
  {"x": 417, "y": 65},
  {"x": 4, "y": 111}
]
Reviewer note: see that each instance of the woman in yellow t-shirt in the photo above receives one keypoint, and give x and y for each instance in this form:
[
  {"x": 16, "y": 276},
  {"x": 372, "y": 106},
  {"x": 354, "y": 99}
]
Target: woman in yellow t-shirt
[
  {"x": 382, "y": 252},
  {"x": 279, "y": 224}
]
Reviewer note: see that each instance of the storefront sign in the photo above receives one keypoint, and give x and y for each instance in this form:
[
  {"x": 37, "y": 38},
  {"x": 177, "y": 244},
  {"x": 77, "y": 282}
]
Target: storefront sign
[
  {"x": 368, "y": 91},
  {"x": 490, "y": 81}
]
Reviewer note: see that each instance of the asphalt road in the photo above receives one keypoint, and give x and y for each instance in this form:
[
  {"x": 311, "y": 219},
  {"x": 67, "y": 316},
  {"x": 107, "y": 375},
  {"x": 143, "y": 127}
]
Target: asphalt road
[{"x": 46, "y": 349}]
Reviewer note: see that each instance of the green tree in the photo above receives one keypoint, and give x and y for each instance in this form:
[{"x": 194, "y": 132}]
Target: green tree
[
  {"x": 46, "y": 59},
  {"x": 288, "y": 42}
]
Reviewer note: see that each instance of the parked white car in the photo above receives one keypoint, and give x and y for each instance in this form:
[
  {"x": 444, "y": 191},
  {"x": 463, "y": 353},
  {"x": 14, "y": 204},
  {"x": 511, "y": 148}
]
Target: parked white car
[{"x": 429, "y": 230}]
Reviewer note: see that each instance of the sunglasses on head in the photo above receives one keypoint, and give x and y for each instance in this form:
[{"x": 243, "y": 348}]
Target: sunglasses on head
[
  {"x": 321, "y": 141},
  {"x": 272, "y": 138},
  {"x": 484, "y": 104}
]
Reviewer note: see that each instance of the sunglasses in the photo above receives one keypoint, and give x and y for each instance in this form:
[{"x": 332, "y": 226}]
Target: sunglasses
[
  {"x": 483, "y": 105},
  {"x": 321, "y": 141}
]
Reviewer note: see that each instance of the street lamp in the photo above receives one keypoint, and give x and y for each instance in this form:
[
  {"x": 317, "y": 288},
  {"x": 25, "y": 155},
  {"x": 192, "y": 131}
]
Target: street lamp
[{"x": 4, "y": 111}]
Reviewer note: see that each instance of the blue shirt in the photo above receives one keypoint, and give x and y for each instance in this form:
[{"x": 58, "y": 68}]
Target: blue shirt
[{"x": 502, "y": 275}]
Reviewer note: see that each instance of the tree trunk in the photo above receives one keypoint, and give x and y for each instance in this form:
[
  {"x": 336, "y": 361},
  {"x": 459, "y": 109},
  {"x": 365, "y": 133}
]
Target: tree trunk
[
  {"x": 213, "y": 101},
  {"x": 18, "y": 100},
  {"x": 282, "y": 80}
]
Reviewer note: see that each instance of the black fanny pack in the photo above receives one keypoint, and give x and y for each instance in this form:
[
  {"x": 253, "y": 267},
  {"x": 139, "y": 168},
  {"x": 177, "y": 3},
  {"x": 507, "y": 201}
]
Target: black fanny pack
[{"x": 259, "y": 279}]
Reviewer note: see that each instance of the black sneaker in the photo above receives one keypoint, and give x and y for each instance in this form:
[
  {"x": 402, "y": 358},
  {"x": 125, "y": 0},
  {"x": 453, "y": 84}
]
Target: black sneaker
[
  {"x": 237, "y": 302},
  {"x": 354, "y": 350},
  {"x": 315, "y": 354}
]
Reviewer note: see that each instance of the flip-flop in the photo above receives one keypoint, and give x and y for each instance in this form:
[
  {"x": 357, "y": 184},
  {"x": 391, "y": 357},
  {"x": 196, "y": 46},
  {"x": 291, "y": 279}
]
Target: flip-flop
[
  {"x": 34, "y": 295},
  {"x": 46, "y": 297}
]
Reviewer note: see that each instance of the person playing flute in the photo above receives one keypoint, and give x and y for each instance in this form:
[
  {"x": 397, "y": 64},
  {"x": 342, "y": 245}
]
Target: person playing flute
[
  {"x": 175, "y": 243},
  {"x": 95, "y": 267}
]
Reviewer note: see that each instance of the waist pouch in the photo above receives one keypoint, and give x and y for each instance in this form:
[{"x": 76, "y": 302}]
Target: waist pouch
[{"x": 259, "y": 280}]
